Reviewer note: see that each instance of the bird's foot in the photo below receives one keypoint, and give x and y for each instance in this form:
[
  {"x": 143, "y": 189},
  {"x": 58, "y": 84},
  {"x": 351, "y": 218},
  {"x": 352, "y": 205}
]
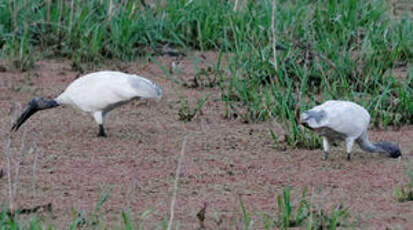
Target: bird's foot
[
  {"x": 102, "y": 135},
  {"x": 325, "y": 156},
  {"x": 102, "y": 132}
]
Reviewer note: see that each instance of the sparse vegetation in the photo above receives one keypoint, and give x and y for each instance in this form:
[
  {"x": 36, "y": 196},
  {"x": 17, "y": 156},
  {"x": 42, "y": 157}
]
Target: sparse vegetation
[
  {"x": 323, "y": 219},
  {"x": 80, "y": 221},
  {"x": 185, "y": 113},
  {"x": 405, "y": 192},
  {"x": 305, "y": 214},
  {"x": 286, "y": 217},
  {"x": 292, "y": 214}
]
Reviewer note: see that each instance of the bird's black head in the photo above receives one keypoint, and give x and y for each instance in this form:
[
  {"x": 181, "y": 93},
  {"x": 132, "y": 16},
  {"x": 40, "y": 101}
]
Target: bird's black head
[
  {"x": 34, "y": 105},
  {"x": 309, "y": 115},
  {"x": 392, "y": 149}
]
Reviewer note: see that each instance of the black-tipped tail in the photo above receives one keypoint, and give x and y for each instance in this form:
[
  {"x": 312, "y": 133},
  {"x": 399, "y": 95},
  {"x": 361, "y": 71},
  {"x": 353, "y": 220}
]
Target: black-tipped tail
[{"x": 390, "y": 148}]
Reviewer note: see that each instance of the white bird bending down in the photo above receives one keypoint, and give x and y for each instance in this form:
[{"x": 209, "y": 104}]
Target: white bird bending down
[
  {"x": 96, "y": 93},
  {"x": 348, "y": 121}
]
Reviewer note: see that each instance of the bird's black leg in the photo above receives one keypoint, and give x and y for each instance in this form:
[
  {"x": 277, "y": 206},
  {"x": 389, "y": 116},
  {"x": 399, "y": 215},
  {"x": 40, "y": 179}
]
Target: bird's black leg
[{"x": 101, "y": 131}]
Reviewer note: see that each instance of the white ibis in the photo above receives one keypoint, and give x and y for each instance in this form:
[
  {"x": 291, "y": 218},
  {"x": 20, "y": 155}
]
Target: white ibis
[
  {"x": 96, "y": 93},
  {"x": 348, "y": 121}
]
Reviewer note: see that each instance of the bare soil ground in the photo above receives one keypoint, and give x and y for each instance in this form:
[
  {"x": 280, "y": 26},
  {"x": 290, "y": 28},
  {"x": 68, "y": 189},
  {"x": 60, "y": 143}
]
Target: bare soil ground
[{"x": 62, "y": 162}]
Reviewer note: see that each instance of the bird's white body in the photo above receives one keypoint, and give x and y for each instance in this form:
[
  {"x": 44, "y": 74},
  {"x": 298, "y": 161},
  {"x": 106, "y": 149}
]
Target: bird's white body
[
  {"x": 344, "y": 120},
  {"x": 102, "y": 91},
  {"x": 98, "y": 93}
]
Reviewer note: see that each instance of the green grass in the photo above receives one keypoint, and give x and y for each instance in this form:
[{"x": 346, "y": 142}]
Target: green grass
[
  {"x": 292, "y": 214},
  {"x": 332, "y": 49},
  {"x": 404, "y": 192},
  {"x": 288, "y": 215},
  {"x": 185, "y": 113},
  {"x": 80, "y": 219}
]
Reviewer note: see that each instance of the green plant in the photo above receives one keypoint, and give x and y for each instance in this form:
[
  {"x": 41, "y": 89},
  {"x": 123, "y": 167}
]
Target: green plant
[
  {"x": 405, "y": 192},
  {"x": 305, "y": 214},
  {"x": 187, "y": 114},
  {"x": 246, "y": 218},
  {"x": 321, "y": 219},
  {"x": 20, "y": 51},
  {"x": 81, "y": 219},
  {"x": 286, "y": 217}
]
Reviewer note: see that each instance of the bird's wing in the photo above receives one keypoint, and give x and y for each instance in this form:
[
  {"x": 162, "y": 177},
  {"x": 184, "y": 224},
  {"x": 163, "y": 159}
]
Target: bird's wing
[{"x": 347, "y": 118}]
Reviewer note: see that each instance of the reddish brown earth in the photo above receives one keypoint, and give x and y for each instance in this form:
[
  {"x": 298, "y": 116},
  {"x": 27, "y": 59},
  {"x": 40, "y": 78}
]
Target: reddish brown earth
[{"x": 63, "y": 163}]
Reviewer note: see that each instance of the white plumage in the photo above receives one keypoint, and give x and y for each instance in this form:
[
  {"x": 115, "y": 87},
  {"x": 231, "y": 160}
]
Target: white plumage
[
  {"x": 97, "y": 94},
  {"x": 344, "y": 120}
]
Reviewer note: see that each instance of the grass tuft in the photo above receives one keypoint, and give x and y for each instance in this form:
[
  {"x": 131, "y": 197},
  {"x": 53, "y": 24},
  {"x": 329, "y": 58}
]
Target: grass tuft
[
  {"x": 185, "y": 113},
  {"x": 404, "y": 192}
]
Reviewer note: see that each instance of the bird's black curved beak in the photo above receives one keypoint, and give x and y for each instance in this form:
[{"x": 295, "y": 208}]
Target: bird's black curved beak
[{"x": 30, "y": 109}]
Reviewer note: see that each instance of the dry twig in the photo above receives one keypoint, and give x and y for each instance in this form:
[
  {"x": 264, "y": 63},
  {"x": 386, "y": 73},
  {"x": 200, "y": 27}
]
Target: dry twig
[{"x": 178, "y": 169}]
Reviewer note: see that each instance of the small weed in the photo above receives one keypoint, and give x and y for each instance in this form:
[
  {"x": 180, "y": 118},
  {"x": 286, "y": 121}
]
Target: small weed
[
  {"x": 126, "y": 217},
  {"x": 246, "y": 218},
  {"x": 94, "y": 216},
  {"x": 203, "y": 79},
  {"x": 185, "y": 113},
  {"x": 277, "y": 141},
  {"x": 81, "y": 219},
  {"x": 299, "y": 137},
  {"x": 286, "y": 216},
  {"x": 321, "y": 219},
  {"x": 404, "y": 193},
  {"x": 296, "y": 215}
]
